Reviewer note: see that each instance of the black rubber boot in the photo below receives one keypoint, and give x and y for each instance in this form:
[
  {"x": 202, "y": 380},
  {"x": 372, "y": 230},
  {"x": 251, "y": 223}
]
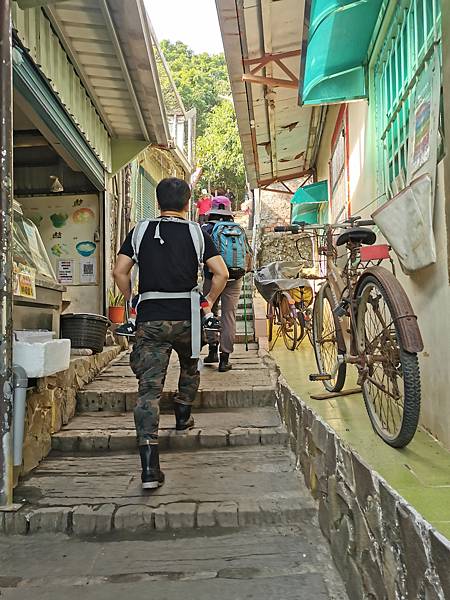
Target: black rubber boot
[
  {"x": 224, "y": 365},
  {"x": 213, "y": 356},
  {"x": 184, "y": 420},
  {"x": 152, "y": 477}
]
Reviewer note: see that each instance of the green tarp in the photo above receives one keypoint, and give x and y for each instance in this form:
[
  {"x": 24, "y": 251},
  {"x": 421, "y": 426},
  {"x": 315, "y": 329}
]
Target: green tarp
[{"x": 340, "y": 31}]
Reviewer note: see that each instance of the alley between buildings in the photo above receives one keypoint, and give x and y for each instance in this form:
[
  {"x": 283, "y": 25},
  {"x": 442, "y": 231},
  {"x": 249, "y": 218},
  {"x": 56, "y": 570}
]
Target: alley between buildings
[{"x": 233, "y": 520}]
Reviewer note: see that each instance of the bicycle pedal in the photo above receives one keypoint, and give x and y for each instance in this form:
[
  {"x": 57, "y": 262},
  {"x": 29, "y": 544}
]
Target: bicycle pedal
[{"x": 320, "y": 377}]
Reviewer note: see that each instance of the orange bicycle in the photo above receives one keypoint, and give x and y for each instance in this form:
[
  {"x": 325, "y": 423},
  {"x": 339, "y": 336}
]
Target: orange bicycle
[{"x": 288, "y": 299}]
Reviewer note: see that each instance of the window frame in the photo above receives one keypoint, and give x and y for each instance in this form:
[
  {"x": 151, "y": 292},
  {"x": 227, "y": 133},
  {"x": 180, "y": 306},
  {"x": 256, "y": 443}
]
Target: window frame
[{"x": 341, "y": 131}]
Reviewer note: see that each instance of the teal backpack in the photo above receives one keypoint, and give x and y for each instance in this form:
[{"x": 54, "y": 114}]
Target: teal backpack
[{"x": 233, "y": 246}]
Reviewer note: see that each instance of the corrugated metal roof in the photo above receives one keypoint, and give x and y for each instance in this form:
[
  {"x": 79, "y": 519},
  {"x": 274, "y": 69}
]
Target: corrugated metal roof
[
  {"x": 109, "y": 43},
  {"x": 278, "y": 136}
]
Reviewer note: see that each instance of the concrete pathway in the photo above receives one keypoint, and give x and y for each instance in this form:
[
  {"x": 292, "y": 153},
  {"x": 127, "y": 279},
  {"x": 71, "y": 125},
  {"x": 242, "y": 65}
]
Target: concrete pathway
[{"x": 233, "y": 519}]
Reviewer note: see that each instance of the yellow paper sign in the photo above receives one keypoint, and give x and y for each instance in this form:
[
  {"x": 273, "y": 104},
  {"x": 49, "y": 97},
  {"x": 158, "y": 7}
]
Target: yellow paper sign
[{"x": 24, "y": 281}]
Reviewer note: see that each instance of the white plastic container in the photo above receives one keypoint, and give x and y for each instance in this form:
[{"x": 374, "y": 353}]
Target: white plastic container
[
  {"x": 32, "y": 336},
  {"x": 42, "y": 359}
]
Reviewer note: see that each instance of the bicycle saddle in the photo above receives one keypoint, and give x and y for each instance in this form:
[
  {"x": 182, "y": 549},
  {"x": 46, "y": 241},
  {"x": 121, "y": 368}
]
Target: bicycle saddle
[{"x": 358, "y": 235}]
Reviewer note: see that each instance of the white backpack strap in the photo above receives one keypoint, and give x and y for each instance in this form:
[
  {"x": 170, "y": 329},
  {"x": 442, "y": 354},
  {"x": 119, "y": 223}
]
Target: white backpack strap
[
  {"x": 136, "y": 238},
  {"x": 198, "y": 240}
]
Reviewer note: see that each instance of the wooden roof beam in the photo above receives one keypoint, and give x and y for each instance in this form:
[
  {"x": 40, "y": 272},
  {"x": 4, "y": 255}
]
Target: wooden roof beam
[{"x": 265, "y": 182}]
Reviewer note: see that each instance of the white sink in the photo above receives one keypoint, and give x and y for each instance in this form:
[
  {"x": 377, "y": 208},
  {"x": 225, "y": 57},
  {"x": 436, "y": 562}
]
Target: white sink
[{"x": 40, "y": 359}]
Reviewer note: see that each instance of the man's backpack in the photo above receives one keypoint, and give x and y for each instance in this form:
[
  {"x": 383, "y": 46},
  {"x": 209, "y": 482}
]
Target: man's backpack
[{"x": 233, "y": 246}]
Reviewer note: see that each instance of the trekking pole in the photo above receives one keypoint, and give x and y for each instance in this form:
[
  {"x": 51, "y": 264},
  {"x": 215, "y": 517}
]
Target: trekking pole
[{"x": 245, "y": 316}]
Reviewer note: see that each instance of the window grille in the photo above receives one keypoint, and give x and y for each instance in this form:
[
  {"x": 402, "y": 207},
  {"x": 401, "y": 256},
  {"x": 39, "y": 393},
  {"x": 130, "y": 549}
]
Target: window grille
[
  {"x": 412, "y": 34},
  {"x": 146, "y": 205}
]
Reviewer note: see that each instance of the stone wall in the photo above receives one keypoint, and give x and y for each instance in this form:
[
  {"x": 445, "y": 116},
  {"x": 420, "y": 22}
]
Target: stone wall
[
  {"x": 275, "y": 209},
  {"x": 52, "y": 403},
  {"x": 282, "y": 246},
  {"x": 382, "y": 547}
]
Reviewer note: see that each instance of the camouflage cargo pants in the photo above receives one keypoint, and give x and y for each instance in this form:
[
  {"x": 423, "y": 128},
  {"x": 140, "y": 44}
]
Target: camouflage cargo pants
[{"x": 149, "y": 361}]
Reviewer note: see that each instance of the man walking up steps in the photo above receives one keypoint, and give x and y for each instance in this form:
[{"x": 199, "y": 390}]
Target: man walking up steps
[{"x": 170, "y": 251}]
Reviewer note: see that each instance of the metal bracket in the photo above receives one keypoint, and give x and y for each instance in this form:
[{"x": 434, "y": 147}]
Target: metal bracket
[{"x": 261, "y": 62}]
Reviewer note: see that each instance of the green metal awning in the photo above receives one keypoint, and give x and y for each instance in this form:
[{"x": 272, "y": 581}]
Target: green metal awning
[
  {"x": 307, "y": 201},
  {"x": 334, "y": 68},
  {"x": 316, "y": 192}
]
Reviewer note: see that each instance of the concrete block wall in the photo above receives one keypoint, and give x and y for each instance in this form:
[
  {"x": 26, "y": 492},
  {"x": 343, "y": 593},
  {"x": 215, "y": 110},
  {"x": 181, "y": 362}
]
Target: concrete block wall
[{"x": 382, "y": 547}]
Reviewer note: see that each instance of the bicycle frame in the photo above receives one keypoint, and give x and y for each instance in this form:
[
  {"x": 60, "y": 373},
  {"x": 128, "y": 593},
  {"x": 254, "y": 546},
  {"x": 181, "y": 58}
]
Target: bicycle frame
[{"x": 344, "y": 283}]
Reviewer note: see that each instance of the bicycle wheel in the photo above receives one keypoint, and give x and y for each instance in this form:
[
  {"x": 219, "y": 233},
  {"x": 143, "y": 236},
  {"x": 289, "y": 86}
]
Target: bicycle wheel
[
  {"x": 328, "y": 341},
  {"x": 301, "y": 325},
  {"x": 288, "y": 322},
  {"x": 391, "y": 389}
]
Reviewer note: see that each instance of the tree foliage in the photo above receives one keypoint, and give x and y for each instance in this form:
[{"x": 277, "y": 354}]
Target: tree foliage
[
  {"x": 201, "y": 79},
  {"x": 202, "y": 82},
  {"x": 219, "y": 151}
]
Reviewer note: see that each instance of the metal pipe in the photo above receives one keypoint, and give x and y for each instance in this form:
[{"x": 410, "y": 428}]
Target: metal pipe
[
  {"x": 6, "y": 200},
  {"x": 20, "y": 405}
]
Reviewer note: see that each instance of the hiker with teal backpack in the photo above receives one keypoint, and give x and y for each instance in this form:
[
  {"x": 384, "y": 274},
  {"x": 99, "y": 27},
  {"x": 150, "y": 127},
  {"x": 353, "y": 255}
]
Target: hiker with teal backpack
[{"x": 232, "y": 244}]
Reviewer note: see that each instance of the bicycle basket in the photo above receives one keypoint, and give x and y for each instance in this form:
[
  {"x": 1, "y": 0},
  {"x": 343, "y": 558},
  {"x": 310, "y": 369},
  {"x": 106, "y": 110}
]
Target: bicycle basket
[{"x": 278, "y": 276}]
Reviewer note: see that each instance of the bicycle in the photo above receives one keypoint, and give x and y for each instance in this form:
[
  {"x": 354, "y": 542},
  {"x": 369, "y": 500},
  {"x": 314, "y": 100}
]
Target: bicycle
[
  {"x": 287, "y": 301},
  {"x": 362, "y": 316}
]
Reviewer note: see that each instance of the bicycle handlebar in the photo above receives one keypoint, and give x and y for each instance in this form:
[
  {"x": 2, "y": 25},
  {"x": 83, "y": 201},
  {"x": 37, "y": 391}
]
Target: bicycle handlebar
[
  {"x": 286, "y": 228},
  {"x": 307, "y": 227}
]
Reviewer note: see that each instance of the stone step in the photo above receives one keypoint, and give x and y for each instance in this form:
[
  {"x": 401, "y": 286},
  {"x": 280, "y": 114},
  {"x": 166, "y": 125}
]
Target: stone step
[
  {"x": 271, "y": 563},
  {"x": 240, "y": 316},
  {"x": 240, "y": 337},
  {"x": 241, "y": 304},
  {"x": 249, "y": 384},
  {"x": 99, "y": 494},
  {"x": 103, "y": 432}
]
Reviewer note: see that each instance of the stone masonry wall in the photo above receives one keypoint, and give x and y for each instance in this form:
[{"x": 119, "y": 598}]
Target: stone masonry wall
[
  {"x": 275, "y": 210},
  {"x": 52, "y": 403},
  {"x": 383, "y": 549},
  {"x": 282, "y": 246}
]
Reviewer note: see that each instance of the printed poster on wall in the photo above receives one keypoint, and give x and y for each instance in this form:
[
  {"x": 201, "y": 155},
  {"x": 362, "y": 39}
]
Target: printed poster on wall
[
  {"x": 88, "y": 271},
  {"x": 24, "y": 281},
  {"x": 424, "y": 123},
  {"x": 64, "y": 272},
  {"x": 69, "y": 226}
]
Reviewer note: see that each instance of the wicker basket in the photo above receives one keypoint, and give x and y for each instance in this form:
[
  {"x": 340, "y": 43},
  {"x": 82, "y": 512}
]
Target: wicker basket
[{"x": 85, "y": 330}]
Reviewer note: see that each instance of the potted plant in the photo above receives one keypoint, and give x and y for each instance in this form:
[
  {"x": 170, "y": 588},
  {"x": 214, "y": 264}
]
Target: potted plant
[{"x": 116, "y": 310}]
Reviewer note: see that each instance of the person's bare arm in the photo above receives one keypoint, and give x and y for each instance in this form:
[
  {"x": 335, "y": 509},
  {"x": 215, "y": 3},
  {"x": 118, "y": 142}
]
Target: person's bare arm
[
  {"x": 122, "y": 274},
  {"x": 216, "y": 265}
]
